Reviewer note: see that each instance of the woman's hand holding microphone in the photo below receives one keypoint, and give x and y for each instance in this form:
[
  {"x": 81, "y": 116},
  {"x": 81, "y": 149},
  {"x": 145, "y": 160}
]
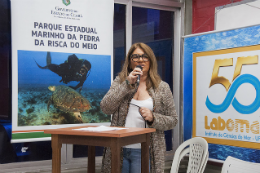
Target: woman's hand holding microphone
[{"x": 132, "y": 78}]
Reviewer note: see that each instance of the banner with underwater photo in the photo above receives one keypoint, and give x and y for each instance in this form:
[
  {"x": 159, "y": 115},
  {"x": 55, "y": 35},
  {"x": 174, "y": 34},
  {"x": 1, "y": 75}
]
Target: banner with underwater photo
[{"x": 61, "y": 64}]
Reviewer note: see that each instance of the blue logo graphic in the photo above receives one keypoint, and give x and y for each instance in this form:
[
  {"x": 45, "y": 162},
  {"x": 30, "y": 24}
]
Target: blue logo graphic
[{"x": 248, "y": 109}]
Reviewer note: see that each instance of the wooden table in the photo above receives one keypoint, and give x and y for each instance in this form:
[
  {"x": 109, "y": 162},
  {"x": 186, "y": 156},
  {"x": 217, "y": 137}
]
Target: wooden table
[{"x": 114, "y": 139}]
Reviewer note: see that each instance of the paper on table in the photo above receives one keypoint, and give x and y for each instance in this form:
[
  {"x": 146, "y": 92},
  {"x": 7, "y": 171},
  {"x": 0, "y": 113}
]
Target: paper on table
[{"x": 100, "y": 128}]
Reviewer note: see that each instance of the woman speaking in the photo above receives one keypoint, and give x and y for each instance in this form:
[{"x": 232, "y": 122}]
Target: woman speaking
[{"x": 139, "y": 98}]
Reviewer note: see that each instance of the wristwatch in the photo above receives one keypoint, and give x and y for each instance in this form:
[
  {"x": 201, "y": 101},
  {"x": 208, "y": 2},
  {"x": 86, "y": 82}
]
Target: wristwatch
[
  {"x": 130, "y": 85},
  {"x": 127, "y": 82}
]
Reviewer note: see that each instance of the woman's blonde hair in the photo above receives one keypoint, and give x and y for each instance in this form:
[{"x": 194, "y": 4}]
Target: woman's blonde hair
[{"x": 153, "y": 78}]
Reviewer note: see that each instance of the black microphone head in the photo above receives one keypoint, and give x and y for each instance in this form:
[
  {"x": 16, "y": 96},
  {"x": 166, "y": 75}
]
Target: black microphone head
[
  {"x": 138, "y": 66},
  {"x": 138, "y": 76}
]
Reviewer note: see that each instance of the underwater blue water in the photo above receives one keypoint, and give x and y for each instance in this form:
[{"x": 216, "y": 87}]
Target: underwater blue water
[
  {"x": 30, "y": 74},
  {"x": 208, "y": 42},
  {"x": 34, "y": 106}
]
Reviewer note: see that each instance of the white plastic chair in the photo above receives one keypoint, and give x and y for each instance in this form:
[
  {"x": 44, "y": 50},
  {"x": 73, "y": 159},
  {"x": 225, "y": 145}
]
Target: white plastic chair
[
  {"x": 198, "y": 155},
  {"x": 234, "y": 165}
]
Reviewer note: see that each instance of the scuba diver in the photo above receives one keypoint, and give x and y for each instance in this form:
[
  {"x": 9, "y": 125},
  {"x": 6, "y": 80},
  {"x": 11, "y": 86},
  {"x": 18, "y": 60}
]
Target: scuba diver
[{"x": 73, "y": 69}]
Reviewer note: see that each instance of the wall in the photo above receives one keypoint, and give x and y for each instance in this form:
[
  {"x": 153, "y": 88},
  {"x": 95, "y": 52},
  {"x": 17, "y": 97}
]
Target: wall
[
  {"x": 237, "y": 15},
  {"x": 203, "y": 13},
  {"x": 188, "y": 17}
]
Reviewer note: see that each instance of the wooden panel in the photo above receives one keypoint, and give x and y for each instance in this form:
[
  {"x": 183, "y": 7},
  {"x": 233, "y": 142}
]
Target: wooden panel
[
  {"x": 86, "y": 140},
  {"x": 115, "y": 152},
  {"x": 56, "y": 154},
  {"x": 132, "y": 140},
  {"x": 91, "y": 159},
  {"x": 145, "y": 154}
]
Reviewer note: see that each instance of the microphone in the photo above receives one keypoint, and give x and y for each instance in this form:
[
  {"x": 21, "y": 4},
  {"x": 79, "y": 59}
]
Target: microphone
[{"x": 138, "y": 76}]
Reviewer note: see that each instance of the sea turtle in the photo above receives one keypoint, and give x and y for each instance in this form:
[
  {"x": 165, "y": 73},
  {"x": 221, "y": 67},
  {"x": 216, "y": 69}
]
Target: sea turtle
[{"x": 67, "y": 99}]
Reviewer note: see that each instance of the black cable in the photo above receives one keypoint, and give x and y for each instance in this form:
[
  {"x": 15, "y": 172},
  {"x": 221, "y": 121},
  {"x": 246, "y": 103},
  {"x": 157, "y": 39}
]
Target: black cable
[{"x": 139, "y": 112}]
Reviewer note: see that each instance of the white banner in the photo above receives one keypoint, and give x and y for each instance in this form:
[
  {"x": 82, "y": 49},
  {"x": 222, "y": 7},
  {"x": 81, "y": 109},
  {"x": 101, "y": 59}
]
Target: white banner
[
  {"x": 226, "y": 96},
  {"x": 67, "y": 44}
]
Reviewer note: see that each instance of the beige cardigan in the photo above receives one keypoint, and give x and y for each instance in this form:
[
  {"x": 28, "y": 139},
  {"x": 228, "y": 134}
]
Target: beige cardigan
[{"x": 116, "y": 102}]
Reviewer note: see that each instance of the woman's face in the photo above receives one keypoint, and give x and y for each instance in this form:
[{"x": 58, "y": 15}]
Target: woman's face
[{"x": 140, "y": 60}]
